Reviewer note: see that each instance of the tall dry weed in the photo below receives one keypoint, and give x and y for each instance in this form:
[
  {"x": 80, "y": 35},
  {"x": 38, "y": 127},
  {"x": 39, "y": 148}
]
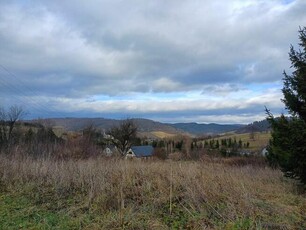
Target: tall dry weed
[{"x": 187, "y": 193}]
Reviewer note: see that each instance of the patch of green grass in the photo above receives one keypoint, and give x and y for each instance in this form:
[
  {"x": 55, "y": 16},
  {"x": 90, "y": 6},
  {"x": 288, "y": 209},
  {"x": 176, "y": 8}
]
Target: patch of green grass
[
  {"x": 43, "y": 208},
  {"x": 19, "y": 211}
]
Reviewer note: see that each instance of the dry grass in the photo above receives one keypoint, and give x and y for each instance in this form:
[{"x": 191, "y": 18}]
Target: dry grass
[
  {"x": 260, "y": 140},
  {"x": 118, "y": 194},
  {"x": 161, "y": 134}
]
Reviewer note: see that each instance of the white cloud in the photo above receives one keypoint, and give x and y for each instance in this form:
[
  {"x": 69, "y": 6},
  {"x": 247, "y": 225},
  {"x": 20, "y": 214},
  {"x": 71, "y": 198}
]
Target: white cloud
[
  {"x": 219, "y": 119},
  {"x": 76, "y": 50},
  {"x": 215, "y": 105}
]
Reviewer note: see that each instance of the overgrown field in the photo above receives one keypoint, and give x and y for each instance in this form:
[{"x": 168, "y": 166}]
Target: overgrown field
[{"x": 118, "y": 194}]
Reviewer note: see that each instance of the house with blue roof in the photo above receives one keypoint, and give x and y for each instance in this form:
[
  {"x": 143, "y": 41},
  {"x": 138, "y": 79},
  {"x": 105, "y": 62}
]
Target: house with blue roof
[{"x": 145, "y": 151}]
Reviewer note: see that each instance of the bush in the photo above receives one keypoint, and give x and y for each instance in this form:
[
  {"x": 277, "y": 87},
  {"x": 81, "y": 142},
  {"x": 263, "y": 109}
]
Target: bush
[{"x": 160, "y": 153}]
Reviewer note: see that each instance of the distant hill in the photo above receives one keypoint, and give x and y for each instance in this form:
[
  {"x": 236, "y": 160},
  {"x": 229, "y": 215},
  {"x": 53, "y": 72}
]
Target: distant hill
[
  {"x": 77, "y": 124},
  {"x": 146, "y": 127},
  {"x": 154, "y": 129},
  {"x": 257, "y": 126},
  {"x": 198, "y": 129}
]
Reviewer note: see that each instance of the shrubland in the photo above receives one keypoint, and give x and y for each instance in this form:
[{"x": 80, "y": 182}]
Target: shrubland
[{"x": 112, "y": 193}]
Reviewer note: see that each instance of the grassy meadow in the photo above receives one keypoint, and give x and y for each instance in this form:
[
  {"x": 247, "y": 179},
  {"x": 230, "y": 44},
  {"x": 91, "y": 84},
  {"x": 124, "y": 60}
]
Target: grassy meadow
[
  {"x": 260, "y": 140},
  {"x": 161, "y": 134},
  {"x": 99, "y": 193}
]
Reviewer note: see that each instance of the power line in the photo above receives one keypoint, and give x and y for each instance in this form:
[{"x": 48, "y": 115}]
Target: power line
[
  {"x": 23, "y": 97},
  {"x": 20, "y": 98}
]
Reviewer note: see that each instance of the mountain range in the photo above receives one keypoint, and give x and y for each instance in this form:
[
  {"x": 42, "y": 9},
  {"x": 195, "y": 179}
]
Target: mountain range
[{"x": 152, "y": 128}]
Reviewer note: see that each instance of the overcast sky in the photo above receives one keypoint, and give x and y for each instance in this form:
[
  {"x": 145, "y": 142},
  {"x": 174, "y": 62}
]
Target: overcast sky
[{"x": 167, "y": 60}]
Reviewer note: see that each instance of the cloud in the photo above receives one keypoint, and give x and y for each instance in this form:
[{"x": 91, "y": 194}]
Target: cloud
[
  {"x": 165, "y": 110},
  {"x": 75, "y": 50}
]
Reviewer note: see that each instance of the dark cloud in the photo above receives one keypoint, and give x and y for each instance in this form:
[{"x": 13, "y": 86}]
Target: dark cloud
[{"x": 63, "y": 50}]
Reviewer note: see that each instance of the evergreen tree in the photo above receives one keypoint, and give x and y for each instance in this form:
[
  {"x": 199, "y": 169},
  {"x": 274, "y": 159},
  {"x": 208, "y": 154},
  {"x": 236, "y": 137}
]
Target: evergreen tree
[
  {"x": 205, "y": 144},
  {"x": 229, "y": 142},
  {"x": 288, "y": 143},
  {"x": 294, "y": 89},
  {"x": 217, "y": 144},
  {"x": 240, "y": 144}
]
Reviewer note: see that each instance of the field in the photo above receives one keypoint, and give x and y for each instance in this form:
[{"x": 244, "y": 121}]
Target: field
[
  {"x": 100, "y": 193},
  {"x": 260, "y": 140},
  {"x": 161, "y": 134}
]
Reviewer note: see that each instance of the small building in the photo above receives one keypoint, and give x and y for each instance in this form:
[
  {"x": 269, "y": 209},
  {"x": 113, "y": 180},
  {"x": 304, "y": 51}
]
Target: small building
[
  {"x": 245, "y": 153},
  {"x": 264, "y": 152},
  {"x": 145, "y": 151},
  {"x": 110, "y": 150}
]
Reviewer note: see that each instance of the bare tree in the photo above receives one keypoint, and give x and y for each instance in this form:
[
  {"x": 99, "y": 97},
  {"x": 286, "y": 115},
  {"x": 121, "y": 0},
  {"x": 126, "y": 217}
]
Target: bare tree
[
  {"x": 14, "y": 114},
  {"x": 8, "y": 121},
  {"x": 123, "y": 135},
  {"x": 3, "y": 126}
]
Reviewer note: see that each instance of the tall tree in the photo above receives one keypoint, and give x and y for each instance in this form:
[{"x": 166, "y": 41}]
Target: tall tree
[
  {"x": 294, "y": 89},
  {"x": 287, "y": 147},
  {"x": 3, "y": 127},
  {"x": 14, "y": 114},
  {"x": 124, "y": 135},
  {"x": 8, "y": 121}
]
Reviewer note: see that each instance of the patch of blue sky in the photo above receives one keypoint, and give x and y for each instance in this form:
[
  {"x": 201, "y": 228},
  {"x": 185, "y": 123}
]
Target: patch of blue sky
[
  {"x": 260, "y": 87},
  {"x": 286, "y": 2}
]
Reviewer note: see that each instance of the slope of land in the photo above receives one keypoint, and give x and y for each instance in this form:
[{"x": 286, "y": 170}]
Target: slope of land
[
  {"x": 150, "y": 128},
  {"x": 161, "y": 134},
  {"x": 144, "y": 125},
  {"x": 257, "y": 140},
  {"x": 257, "y": 126},
  {"x": 212, "y": 128}
]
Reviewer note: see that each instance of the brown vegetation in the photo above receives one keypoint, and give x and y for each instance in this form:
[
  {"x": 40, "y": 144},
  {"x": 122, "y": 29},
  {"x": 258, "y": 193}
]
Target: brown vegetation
[
  {"x": 51, "y": 183},
  {"x": 156, "y": 194}
]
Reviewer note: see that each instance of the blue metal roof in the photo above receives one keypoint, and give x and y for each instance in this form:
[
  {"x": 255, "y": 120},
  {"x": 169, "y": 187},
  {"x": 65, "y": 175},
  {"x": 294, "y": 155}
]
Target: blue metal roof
[{"x": 143, "y": 151}]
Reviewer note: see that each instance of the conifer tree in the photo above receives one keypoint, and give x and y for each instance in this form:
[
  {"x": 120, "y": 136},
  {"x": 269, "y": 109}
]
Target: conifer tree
[
  {"x": 294, "y": 89},
  {"x": 287, "y": 147}
]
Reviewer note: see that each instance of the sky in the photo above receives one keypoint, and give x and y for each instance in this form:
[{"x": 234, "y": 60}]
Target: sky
[{"x": 167, "y": 60}]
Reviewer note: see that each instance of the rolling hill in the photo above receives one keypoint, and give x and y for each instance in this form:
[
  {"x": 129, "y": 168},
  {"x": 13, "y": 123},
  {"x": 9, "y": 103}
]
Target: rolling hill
[
  {"x": 146, "y": 127},
  {"x": 201, "y": 129},
  {"x": 154, "y": 129}
]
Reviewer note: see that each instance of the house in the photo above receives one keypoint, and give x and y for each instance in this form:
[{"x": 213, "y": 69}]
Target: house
[
  {"x": 110, "y": 150},
  {"x": 264, "y": 152},
  {"x": 245, "y": 153},
  {"x": 140, "y": 151}
]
